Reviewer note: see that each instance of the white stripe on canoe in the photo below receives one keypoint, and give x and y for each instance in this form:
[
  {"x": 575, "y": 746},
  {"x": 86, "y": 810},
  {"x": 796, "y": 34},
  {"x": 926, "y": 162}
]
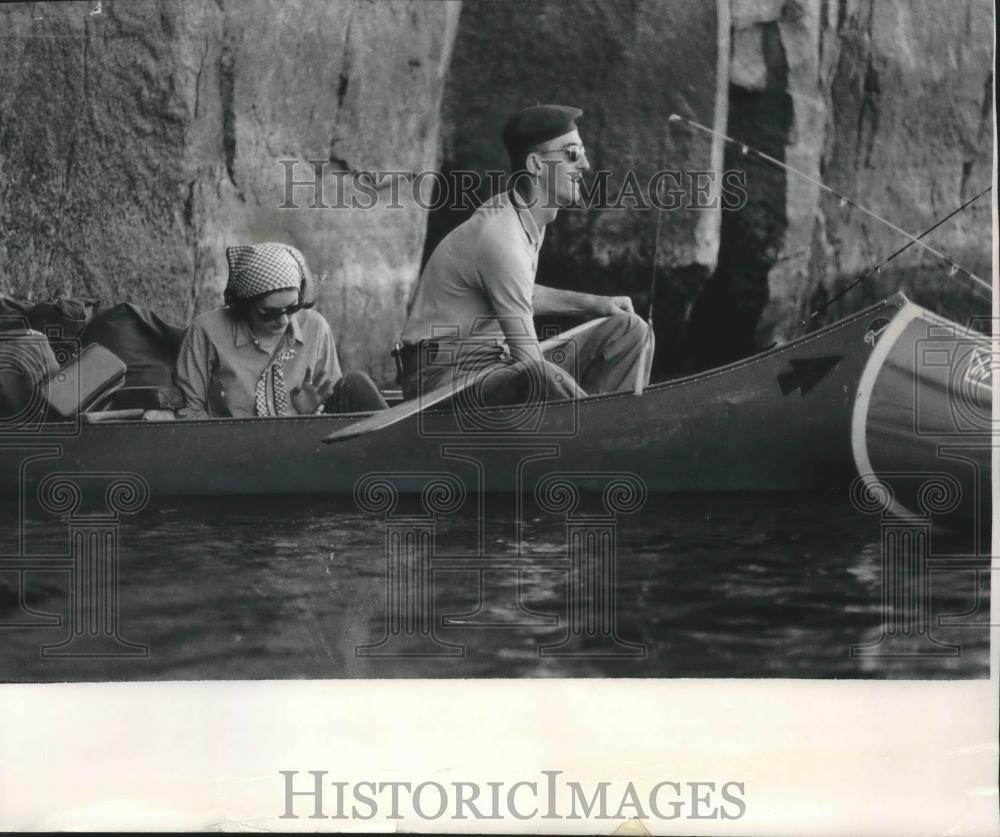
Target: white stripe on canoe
[{"x": 869, "y": 375}]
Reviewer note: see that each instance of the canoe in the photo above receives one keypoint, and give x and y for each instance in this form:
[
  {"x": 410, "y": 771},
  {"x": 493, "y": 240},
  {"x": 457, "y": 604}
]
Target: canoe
[
  {"x": 922, "y": 428},
  {"x": 778, "y": 421}
]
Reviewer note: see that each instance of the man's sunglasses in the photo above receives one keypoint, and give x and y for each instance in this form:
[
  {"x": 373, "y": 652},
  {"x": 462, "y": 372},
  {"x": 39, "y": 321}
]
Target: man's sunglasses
[
  {"x": 269, "y": 315},
  {"x": 573, "y": 152}
]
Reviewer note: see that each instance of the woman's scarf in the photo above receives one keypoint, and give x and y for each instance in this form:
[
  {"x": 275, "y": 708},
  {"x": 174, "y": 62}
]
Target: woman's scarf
[
  {"x": 259, "y": 269},
  {"x": 275, "y": 370}
]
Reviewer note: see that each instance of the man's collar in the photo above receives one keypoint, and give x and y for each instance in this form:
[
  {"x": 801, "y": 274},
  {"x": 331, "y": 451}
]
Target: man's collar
[{"x": 525, "y": 217}]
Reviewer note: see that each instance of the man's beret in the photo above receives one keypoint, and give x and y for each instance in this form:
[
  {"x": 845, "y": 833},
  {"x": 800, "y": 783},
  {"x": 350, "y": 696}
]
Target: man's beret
[{"x": 535, "y": 125}]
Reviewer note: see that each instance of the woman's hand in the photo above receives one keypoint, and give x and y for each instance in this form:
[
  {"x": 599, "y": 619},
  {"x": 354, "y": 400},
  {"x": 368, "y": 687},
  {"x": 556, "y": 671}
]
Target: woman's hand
[{"x": 312, "y": 393}]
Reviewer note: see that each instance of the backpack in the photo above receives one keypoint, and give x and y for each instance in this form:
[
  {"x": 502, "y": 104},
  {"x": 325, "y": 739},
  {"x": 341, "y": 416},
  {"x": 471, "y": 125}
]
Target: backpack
[{"x": 148, "y": 345}]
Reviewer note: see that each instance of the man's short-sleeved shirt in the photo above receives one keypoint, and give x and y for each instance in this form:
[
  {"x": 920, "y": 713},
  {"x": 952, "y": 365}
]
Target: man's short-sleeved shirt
[{"x": 483, "y": 269}]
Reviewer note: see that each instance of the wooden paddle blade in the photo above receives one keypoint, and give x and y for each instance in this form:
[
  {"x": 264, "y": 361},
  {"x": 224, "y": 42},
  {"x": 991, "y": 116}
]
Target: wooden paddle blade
[{"x": 387, "y": 418}]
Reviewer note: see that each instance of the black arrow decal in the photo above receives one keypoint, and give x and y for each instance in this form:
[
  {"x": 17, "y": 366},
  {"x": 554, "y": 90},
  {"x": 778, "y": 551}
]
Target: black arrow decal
[{"x": 806, "y": 373}]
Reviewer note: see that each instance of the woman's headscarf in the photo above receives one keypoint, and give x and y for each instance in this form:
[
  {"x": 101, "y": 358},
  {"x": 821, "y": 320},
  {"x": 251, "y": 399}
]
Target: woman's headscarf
[{"x": 258, "y": 269}]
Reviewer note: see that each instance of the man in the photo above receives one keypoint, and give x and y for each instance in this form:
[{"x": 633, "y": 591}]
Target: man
[{"x": 473, "y": 308}]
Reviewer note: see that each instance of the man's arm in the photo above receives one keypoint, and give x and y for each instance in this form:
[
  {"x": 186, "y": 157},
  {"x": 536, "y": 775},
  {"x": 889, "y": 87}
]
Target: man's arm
[
  {"x": 548, "y": 301},
  {"x": 507, "y": 284}
]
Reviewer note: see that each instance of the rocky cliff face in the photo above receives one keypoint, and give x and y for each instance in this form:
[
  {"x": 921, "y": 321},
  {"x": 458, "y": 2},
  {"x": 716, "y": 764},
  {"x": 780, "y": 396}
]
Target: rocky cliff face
[
  {"x": 909, "y": 92},
  {"x": 886, "y": 101},
  {"x": 137, "y": 143}
]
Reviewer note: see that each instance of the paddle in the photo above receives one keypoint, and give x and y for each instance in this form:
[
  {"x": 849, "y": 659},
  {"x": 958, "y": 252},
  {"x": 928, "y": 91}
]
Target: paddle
[
  {"x": 112, "y": 415},
  {"x": 387, "y": 418}
]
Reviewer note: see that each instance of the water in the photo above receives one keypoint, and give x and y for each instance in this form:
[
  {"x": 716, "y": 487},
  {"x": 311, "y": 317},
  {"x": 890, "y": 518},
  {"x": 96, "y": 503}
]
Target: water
[{"x": 707, "y": 586}]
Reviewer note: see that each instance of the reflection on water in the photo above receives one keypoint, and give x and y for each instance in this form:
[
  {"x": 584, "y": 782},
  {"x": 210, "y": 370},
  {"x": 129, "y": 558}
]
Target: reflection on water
[{"x": 718, "y": 586}]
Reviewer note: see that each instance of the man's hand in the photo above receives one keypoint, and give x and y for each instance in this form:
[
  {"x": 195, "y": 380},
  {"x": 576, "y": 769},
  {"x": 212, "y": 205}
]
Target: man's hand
[
  {"x": 613, "y": 304},
  {"x": 312, "y": 393}
]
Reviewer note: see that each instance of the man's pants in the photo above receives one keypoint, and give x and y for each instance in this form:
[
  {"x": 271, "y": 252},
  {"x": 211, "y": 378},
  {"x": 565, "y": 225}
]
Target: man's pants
[
  {"x": 355, "y": 393},
  {"x": 608, "y": 358}
]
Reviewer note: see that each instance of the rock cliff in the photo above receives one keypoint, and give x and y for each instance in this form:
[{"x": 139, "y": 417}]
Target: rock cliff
[
  {"x": 136, "y": 143},
  {"x": 888, "y": 102},
  {"x": 908, "y": 86}
]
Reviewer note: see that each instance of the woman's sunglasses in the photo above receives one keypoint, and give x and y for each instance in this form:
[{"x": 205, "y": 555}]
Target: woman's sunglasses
[{"x": 269, "y": 315}]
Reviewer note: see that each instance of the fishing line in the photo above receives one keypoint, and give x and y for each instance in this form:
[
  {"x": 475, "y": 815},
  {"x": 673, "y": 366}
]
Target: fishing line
[
  {"x": 647, "y": 352},
  {"x": 888, "y": 259},
  {"x": 844, "y": 200}
]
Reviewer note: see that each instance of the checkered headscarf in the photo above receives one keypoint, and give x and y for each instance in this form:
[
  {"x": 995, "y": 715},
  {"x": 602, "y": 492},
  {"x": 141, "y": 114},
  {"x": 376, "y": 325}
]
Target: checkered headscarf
[{"x": 258, "y": 269}]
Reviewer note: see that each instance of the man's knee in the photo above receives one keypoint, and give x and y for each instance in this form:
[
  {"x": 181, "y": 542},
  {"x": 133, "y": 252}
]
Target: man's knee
[
  {"x": 355, "y": 392},
  {"x": 534, "y": 384},
  {"x": 628, "y": 328}
]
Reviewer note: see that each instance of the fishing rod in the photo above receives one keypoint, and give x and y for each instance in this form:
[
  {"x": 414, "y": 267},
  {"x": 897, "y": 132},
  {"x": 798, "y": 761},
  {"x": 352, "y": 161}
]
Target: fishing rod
[
  {"x": 748, "y": 150},
  {"x": 647, "y": 353},
  {"x": 843, "y": 292}
]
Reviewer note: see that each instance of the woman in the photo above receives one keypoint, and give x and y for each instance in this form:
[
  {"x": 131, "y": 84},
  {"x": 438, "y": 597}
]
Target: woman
[{"x": 265, "y": 353}]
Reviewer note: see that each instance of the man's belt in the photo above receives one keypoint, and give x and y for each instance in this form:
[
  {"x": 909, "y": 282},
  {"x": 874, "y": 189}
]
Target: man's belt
[{"x": 409, "y": 355}]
